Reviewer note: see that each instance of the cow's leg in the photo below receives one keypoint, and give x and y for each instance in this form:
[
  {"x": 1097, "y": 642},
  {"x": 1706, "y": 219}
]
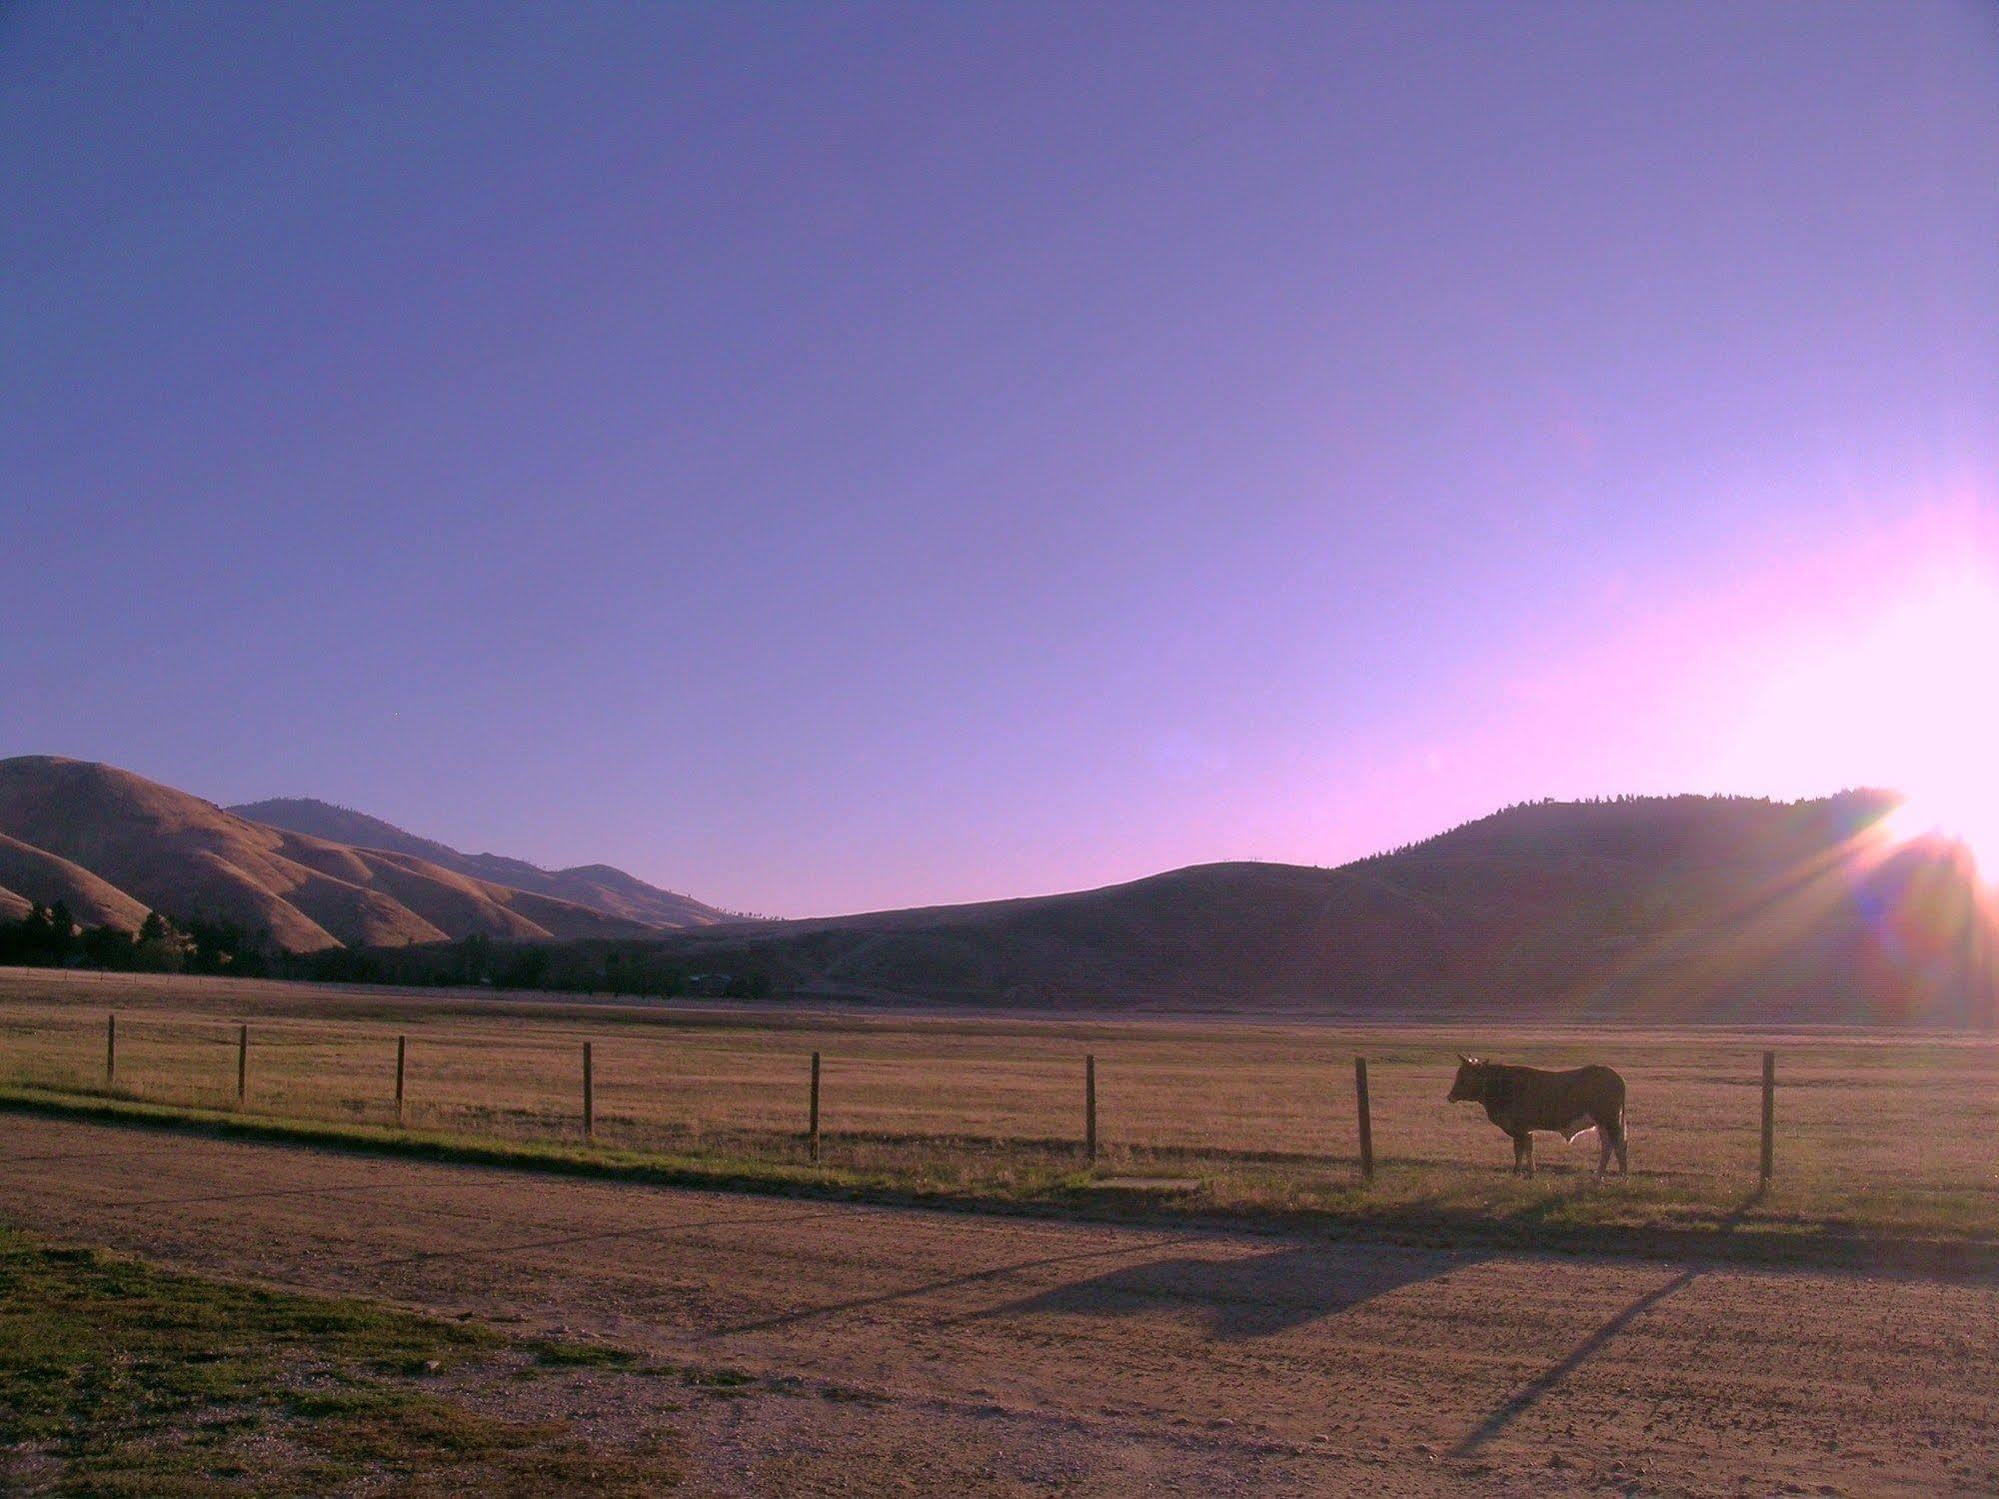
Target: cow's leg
[
  {"x": 1523, "y": 1152},
  {"x": 1516, "y": 1155},
  {"x": 1604, "y": 1135},
  {"x": 1623, "y": 1166}
]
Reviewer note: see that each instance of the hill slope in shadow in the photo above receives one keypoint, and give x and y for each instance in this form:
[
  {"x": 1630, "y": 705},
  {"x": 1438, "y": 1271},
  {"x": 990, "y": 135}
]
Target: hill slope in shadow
[{"x": 1665, "y": 907}]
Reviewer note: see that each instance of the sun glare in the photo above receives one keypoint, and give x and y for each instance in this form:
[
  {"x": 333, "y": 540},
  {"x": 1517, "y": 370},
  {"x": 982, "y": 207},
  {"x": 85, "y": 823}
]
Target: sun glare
[
  {"x": 1930, "y": 719},
  {"x": 1975, "y": 827},
  {"x": 1903, "y": 698}
]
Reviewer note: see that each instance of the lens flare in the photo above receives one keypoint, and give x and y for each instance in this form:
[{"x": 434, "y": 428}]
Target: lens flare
[{"x": 1905, "y": 699}]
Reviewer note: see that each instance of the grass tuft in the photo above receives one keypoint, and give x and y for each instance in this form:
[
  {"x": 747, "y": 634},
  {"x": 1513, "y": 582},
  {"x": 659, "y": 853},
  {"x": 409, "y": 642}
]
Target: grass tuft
[{"x": 120, "y": 1379}]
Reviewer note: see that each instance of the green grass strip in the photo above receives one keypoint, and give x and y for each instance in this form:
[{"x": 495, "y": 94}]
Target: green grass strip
[{"x": 1605, "y": 1221}]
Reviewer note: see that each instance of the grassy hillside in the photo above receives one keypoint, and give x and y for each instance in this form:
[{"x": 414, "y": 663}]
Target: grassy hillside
[
  {"x": 91, "y": 900},
  {"x": 121, "y": 845},
  {"x": 598, "y": 887}
]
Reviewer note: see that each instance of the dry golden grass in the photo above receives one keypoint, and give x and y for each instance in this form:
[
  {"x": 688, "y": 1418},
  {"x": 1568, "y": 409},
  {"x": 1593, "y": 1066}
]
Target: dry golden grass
[{"x": 1877, "y": 1131}]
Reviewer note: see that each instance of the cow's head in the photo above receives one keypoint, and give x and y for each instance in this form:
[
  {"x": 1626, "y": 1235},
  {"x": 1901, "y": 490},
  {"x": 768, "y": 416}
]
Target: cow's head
[{"x": 1469, "y": 1086}]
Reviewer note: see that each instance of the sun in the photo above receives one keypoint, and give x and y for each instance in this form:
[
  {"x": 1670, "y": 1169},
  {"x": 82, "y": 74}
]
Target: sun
[
  {"x": 1969, "y": 820},
  {"x": 1904, "y": 696},
  {"x": 1929, "y": 714}
]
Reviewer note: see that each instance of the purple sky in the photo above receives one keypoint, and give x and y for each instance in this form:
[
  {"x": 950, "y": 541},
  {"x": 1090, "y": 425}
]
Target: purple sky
[{"x": 829, "y": 457}]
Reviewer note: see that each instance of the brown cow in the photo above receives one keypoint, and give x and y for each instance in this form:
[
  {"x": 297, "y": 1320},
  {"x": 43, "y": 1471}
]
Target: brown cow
[{"x": 1521, "y": 1100}]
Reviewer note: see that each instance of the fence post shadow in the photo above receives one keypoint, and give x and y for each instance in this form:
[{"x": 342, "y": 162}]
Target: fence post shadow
[{"x": 1544, "y": 1383}]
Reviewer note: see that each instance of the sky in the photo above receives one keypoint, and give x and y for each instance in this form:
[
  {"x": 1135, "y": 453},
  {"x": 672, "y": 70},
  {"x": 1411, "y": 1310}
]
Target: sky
[{"x": 832, "y": 457}]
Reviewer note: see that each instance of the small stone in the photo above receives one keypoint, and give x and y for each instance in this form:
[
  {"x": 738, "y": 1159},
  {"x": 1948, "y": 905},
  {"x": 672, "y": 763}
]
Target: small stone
[
  {"x": 431, "y": 1366},
  {"x": 1220, "y": 1423}
]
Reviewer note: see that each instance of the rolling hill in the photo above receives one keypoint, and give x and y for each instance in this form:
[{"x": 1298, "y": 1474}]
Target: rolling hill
[
  {"x": 597, "y": 886},
  {"x": 91, "y": 901},
  {"x": 115, "y": 845},
  {"x": 1680, "y": 907}
]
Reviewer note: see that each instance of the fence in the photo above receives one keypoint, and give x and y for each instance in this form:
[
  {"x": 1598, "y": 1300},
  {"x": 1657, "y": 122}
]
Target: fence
[
  {"x": 1249, "y": 1100},
  {"x": 1363, "y": 1111}
]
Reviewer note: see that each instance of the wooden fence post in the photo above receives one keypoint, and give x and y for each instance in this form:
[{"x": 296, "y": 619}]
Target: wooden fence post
[
  {"x": 812, "y": 1123},
  {"x": 1769, "y": 1115},
  {"x": 589, "y": 1097},
  {"x": 402, "y": 1051},
  {"x": 110, "y": 1048},
  {"x": 1366, "y": 1121},
  {"x": 242, "y": 1064},
  {"x": 1090, "y": 1108}
]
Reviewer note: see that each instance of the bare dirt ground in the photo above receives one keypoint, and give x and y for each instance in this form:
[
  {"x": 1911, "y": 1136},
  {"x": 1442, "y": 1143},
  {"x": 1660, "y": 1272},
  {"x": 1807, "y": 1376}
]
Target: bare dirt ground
[{"x": 902, "y": 1351}]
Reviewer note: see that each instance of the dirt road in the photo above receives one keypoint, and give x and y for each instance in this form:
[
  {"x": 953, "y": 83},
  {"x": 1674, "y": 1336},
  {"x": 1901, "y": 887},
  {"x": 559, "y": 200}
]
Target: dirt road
[{"x": 904, "y": 1351}]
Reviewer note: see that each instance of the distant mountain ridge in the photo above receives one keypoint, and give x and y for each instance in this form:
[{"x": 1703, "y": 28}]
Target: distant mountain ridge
[
  {"x": 113, "y": 845},
  {"x": 596, "y": 886}
]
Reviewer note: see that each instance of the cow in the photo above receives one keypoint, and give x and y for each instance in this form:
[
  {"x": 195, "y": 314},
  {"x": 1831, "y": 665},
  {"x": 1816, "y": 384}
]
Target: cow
[{"x": 1521, "y": 1100}]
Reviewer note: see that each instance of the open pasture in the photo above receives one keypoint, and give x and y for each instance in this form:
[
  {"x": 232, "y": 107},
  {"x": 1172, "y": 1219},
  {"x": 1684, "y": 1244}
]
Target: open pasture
[{"x": 1876, "y": 1131}]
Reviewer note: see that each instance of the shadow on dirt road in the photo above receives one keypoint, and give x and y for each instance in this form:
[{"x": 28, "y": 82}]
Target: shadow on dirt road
[
  {"x": 1240, "y": 1297},
  {"x": 1544, "y": 1383}
]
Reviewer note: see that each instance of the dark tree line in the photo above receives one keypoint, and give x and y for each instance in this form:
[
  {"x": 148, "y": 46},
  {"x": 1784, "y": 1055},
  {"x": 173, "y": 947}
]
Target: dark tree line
[
  {"x": 51, "y": 937},
  {"x": 562, "y": 968}
]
